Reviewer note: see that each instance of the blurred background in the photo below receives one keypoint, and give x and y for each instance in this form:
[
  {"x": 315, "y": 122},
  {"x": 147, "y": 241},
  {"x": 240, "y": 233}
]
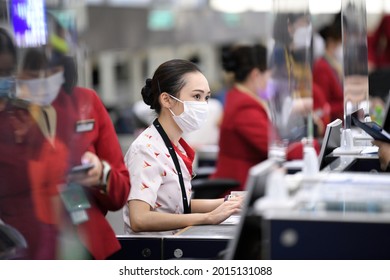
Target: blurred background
[{"x": 121, "y": 42}]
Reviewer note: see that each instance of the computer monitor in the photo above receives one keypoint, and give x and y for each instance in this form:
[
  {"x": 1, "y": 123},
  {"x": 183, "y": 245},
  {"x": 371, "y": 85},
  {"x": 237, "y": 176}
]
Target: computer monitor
[
  {"x": 331, "y": 141},
  {"x": 247, "y": 240}
]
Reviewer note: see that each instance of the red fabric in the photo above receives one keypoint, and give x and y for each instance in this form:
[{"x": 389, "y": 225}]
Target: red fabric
[
  {"x": 243, "y": 137},
  {"x": 295, "y": 150},
  {"x": 97, "y": 234},
  {"x": 321, "y": 107},
  {"x": 16, "y": 203},
  {"x": 189, "y": 158},
  {"x": 379, "y": 44},
  {"x": 326, "y": 78}
]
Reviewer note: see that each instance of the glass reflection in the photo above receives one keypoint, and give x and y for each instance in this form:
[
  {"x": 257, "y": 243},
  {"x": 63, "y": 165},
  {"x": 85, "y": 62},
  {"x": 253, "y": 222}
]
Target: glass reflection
[
  {"x": 355, "y": 57},
  {"x": 290, "y": 86}
]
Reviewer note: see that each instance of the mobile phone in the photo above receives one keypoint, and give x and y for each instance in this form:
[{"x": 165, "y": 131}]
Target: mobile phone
[
  {"x": 372, "y": 128},
  {"x": 83, "y": 168}
]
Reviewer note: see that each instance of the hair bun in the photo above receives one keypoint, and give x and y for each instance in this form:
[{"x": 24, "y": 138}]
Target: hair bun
[
  {"x": 228, "y": 61},
  {"x": 146, "y": 92}
]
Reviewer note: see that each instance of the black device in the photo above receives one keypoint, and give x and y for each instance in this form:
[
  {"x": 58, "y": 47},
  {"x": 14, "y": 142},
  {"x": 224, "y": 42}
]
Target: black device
[
  {"x": 248, "y": 236},
  {"x": 83, "y": 168},
  {"x": 372, "y": 128}
]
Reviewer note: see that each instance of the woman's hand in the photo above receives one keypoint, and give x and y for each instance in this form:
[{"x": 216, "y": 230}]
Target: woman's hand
[
  {"x": 21, "y": 122},
  {"x": 225, "y": 210},
  {"x": 383, "y": 153},
  {"x": 92, "y": 176}
]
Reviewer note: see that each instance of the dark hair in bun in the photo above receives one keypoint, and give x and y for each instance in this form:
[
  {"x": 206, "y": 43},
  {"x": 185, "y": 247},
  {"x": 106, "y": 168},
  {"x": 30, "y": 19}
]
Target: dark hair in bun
[
  {"x": 146, "y": 92},
  {"x": 168, "y": 77},
  {"x": 333, "y": 30},
  {"x": 241, "y": 60}
]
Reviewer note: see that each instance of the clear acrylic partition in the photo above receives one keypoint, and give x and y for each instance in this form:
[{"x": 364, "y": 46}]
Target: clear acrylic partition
[
  {"x": 38, "y": 140},
  {"x": 354, "y": 28},
  {"x": 290, "y": 86}
]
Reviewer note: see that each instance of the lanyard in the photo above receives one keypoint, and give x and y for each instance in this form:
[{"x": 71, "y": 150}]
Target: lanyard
[{"x": 168, "y": 143}]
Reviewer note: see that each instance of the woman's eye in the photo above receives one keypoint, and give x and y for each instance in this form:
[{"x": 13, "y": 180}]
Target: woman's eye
[
  {"x": 207, "y": 98},
  {"x": 197, "y": 97}
]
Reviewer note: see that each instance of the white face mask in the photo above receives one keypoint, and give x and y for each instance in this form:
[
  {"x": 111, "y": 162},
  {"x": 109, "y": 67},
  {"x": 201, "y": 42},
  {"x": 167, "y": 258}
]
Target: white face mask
[
  {"x": 193, "y": 117},
  {"x": 302, "y": 37},
  {"x": 338, "y": 53},
  {"x": 41, "y": 91}
]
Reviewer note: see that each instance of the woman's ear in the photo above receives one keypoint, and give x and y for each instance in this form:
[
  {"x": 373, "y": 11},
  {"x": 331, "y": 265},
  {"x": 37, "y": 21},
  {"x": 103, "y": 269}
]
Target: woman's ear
[{"x": 165, "y": 100}]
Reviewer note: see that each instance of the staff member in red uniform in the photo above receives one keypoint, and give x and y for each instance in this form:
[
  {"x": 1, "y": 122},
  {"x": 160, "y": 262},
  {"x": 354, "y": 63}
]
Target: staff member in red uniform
[
  {"x": 244, "y": 129},
  {"x": 327, "y": 70},
  {"x": 71, "y": 127},
  {"x": 16, "y": 205}
]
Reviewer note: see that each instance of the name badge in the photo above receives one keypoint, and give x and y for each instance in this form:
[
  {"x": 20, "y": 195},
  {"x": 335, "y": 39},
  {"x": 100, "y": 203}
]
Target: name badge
[{"x": 85, "y": 125}]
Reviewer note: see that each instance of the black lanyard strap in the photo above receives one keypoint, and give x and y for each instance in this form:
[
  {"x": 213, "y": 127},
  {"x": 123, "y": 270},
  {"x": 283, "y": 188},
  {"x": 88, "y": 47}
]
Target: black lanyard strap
[{"x": 168, "y": 143}]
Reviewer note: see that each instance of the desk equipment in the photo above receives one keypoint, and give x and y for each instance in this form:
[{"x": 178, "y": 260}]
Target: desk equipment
[
  {"x": 247, "y": 240},
  {"x": 334, "y": 216},
  {"x": 198, "y": 242},
  {"x": 330, "y": 142},
  {"x": 371, "y": 128},
  {"x": 194, "y": 242}
]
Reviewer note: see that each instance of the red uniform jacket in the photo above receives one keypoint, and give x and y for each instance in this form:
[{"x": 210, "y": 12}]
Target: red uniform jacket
[
  {"x": 326, "y": 78},
  {"x": 243, "y": 138}
]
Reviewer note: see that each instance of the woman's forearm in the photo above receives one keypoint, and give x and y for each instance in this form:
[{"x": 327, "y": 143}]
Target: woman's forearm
[{"x": 205, "y": 205}]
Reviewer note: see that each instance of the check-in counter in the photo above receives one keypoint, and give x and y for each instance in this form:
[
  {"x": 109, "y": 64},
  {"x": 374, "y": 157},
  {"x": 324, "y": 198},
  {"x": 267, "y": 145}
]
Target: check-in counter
[
  {"x": 353, "y": 163},
  {"x": 342, "y": 215},
  {"x": 198, "y": 242},
  {"x": 194, "y": 242},
  {"x": 138, "y": 247}
]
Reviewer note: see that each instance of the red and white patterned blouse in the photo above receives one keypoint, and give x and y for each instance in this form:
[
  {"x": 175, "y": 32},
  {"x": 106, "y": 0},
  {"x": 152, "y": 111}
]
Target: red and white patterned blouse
[{"x": 153, "y": 175}]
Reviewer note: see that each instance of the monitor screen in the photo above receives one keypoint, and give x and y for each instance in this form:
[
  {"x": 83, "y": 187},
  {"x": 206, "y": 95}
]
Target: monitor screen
[
  {"x": 29, "y": 22},
  {"x": 247, "y": 240},
  {"x": 331, "y": 141}
]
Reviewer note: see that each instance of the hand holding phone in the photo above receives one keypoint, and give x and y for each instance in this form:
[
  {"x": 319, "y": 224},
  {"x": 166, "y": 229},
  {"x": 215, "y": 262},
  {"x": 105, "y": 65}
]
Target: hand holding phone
[
  {"x": 372, "y": 128},
  {"x": 83, "y": 168}
]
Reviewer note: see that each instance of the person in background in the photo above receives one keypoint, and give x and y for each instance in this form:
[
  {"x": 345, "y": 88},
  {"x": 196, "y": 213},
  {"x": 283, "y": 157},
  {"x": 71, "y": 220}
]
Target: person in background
[
  {"x": 160, "y": 161},
  {"x": 73, "y": 128},
  {"x": 327, "y": 70},
  {"x": 66, "y": 126},
  {"x": 244, "y": 131},
  {"x": 16, "y": 204},
  {"x": 296, "y": 111}
]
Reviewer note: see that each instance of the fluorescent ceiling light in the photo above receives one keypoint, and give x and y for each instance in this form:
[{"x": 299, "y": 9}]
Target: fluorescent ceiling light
[
  {"x": 129, "y": 3},
  {"x": 386, "y": 6},
  {"x": 240, "y": 6},
  {"x": 325, "y": 6},
  {"x": 229, "y": 6},
  {"x": 374, "y": 6}
]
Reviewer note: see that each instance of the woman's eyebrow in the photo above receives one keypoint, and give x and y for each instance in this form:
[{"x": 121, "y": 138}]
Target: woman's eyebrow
[{"x": 202, "y": 91}]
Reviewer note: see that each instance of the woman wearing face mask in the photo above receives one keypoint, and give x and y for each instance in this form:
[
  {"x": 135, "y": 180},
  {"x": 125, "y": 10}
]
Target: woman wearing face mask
[
  {"x": 244, "y": 132},
  {"x": 160, "y": 161},
  {"x": 327, "y": 71},
  {"x": 16, "y": 205},
  {"x": 71, "y": 128}
]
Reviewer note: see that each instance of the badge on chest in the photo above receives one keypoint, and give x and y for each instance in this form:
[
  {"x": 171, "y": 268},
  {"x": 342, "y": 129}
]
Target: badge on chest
[{"x": 85, "y": 125}]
